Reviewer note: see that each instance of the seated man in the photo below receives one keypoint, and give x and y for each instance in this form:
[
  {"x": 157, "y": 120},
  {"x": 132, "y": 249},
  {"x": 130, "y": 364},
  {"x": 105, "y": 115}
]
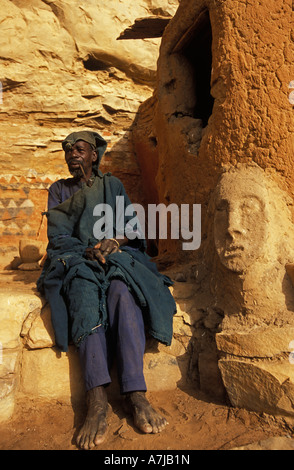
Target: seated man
[{"x": 104, "y": 292}]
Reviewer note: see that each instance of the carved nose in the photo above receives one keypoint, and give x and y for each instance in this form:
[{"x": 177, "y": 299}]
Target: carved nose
[{"x": 235, "y": 226}]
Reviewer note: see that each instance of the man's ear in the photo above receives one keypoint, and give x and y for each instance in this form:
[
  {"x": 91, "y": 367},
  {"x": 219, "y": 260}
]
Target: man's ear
[{"x": 94, "y": 156}]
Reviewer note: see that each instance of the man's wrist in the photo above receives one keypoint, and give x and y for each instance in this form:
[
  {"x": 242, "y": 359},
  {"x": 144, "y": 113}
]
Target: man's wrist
[
  {"x": 121, "y": 241},
  {"x": 116, "y": 241}
]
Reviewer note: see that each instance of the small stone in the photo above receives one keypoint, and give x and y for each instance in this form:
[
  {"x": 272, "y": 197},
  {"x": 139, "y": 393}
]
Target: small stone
[{"x": 29, "y": 267}]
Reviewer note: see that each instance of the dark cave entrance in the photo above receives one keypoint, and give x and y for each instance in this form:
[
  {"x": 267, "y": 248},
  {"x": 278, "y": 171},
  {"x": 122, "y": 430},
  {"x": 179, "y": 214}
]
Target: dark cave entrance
[{"x": 196, "y": 46}]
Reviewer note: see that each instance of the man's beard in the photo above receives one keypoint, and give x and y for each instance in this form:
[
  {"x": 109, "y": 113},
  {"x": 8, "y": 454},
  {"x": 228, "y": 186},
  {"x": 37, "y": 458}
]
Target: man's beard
[{"x": 77, "y": 173}]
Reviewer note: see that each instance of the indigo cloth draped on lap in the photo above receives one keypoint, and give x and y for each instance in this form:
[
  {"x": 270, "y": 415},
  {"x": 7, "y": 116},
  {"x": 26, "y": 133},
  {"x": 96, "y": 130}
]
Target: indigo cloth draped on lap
[{"x": 70, "y": 232}]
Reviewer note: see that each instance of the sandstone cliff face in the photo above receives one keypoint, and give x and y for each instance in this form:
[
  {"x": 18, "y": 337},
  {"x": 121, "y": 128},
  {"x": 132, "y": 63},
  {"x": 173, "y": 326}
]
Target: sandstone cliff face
[{"x": 62, "y": 68}]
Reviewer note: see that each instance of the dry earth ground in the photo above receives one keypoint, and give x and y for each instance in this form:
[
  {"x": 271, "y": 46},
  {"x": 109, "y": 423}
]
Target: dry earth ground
[{"x": 195, "y": 423}]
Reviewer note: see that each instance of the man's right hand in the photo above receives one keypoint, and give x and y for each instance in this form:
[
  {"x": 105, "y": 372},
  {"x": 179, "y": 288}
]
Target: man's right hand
[{"x": 102, "y": 249}]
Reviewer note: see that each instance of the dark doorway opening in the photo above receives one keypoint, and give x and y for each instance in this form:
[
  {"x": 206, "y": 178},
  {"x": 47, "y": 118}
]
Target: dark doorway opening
[{"x": 196, "y": 46}]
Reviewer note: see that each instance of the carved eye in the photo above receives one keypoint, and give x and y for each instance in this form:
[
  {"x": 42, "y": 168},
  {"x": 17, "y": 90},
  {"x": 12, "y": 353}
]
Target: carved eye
[
  {"x": 222, "y": 205},
  {"x": 251, "y": 205}
]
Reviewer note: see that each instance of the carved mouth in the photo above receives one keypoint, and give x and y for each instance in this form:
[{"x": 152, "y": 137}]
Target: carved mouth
[{"x": 236, "y": 250}]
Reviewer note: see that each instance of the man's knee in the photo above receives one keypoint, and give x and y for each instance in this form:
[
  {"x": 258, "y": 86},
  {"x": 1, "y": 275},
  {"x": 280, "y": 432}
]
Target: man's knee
[
  {"x": 118, "y": 288},
  {"x": 122, "y": 304}
]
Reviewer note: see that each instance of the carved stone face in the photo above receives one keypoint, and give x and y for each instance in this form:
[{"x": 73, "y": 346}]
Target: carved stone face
[{"x": 240, "y": 221}]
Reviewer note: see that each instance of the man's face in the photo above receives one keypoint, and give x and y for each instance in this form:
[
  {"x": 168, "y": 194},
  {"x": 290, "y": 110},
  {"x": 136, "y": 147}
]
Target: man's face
[
  {"x": 240, "y": 222},
  {"x": 80, "y": 154}
]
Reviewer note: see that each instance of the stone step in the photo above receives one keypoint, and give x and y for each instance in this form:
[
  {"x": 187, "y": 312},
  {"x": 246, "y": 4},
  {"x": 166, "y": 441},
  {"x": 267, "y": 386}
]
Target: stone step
[{"x": 31, "y": 365}]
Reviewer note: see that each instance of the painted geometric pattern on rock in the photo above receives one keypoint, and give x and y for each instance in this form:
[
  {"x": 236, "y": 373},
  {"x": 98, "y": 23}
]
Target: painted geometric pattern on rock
[{"x": 22, "y": 201}]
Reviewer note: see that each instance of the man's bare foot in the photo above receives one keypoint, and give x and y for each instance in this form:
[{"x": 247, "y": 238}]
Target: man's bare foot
[
  {"x": 95, "y": 426},
  {"x": 145, "y": 417}
]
